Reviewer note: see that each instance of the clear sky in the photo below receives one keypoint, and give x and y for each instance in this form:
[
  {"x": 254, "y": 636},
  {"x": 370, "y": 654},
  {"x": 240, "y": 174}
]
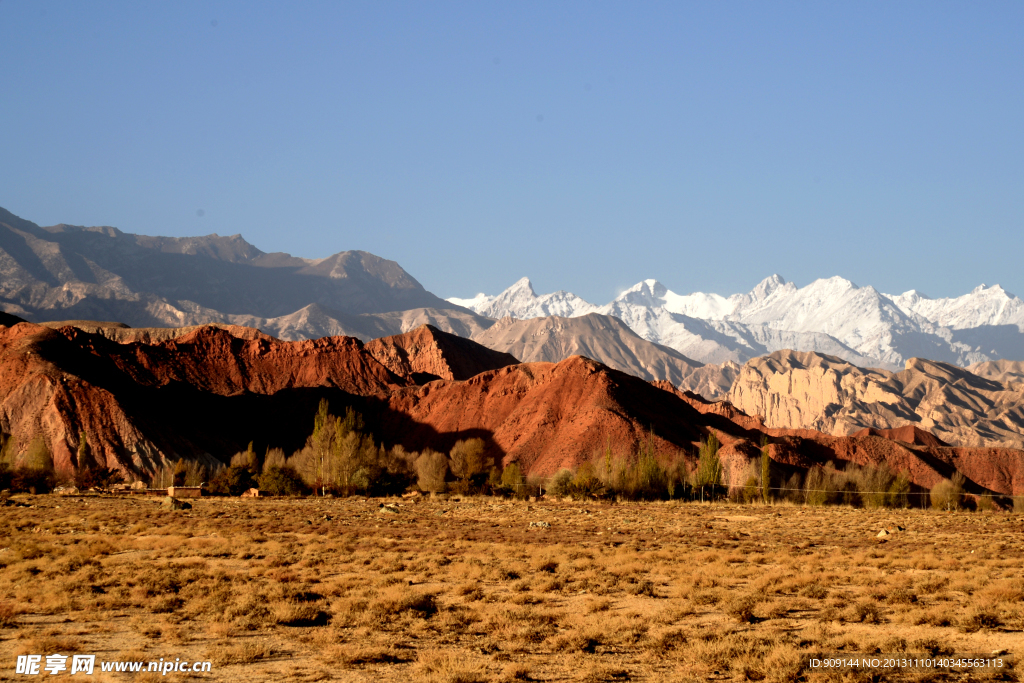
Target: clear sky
[{"x": 587, "y": 145}]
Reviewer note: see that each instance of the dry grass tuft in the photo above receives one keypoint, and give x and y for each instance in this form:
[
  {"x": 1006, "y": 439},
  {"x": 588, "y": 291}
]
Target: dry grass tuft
[
  {"x": 9, "y": 614},
  {"x": 245, "y": 652}
]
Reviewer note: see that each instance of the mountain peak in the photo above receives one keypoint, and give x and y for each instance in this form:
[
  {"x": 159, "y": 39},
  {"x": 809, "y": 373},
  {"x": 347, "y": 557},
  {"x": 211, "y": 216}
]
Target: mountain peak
[
  {"x": 523, "y": 284},
  {"x": 644, "y": 293},
  {"x": 767, "y": 286}
]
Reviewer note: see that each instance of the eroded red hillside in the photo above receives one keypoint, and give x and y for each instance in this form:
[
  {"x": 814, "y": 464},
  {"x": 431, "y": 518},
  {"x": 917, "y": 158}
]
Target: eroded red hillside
[
  {"x": 427, "y": 353},
  {"x": 141, "y": 405}
]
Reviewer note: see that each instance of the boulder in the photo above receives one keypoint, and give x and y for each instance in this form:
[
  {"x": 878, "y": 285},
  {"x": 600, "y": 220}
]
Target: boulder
[{"x": 172, "y": 503}]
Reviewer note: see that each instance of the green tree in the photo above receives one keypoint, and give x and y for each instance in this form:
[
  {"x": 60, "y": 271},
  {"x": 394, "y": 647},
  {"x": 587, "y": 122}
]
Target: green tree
[
  {"x": 766, "y": 470},
  {"x": 232, "y": 481},
  {"x": 709, "y": 465},
  {"x": 561, "y": 484},
  {"x": 899, "y": 490},
  {"x": 322, "y": 443},
  {"x": 281, "y": 480},
  {"x": 512, "y": 480}
]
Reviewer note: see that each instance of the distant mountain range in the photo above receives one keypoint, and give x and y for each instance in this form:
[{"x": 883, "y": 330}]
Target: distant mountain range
[
  {"x": 68, "y": 272},
  {"x": 834, "y": 316},
  {"x": 792, "y": 355}
]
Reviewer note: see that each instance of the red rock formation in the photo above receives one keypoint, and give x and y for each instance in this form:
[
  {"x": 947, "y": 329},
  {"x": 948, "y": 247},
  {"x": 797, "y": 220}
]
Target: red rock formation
[
  {"x": 207, "y": 393},
  {"x": 427, "y": 353},
  {"x": 907, "y": 434},
  {"x": 142, "y": 404},
  {"x": 549, "y": 415}
]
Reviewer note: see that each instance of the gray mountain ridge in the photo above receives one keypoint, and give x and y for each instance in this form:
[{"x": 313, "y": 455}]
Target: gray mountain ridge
[{"x": 101, "y": 273}]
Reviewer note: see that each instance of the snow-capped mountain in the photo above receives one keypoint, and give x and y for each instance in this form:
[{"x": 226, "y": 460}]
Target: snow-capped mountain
[
  {"x": 991, "y": 306},
  {"x": 520, "y": 301},
  {"x": 832, "y": 316}
]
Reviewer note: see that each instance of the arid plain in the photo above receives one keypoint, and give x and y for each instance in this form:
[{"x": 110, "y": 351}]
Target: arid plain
[{"x": 482, "y": 589}]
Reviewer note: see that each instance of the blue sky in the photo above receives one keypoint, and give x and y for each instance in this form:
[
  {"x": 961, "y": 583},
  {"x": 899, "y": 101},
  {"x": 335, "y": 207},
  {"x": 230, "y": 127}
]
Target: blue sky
[{"x": 587, "y": 145}]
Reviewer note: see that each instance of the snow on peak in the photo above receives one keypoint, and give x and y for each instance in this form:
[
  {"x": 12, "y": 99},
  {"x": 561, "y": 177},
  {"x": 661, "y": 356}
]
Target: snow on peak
[
  {"x": 982, "y": 306},
  {"x": 644, "y": 293},
  {"x": 523, "y": 284},
  {"x": 827, "y": 315},
  {"x": 767, "y": 287}
]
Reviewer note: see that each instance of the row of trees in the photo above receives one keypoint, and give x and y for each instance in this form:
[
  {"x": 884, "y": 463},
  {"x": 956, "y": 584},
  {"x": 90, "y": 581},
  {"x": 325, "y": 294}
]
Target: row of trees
[
  {"x": 642, "y": 476},
  {"x": 341, "y": 458}
]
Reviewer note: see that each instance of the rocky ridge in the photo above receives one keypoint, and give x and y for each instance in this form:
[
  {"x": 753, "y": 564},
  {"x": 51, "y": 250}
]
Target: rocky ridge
[{"x": 812, "y": 391}]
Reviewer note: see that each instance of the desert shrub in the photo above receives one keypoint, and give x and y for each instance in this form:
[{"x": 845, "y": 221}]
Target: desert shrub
[
  {"x": 281, "y": 480},
  {"x": 742, "y": 609},
  {"x": 865, "y": 611},
  {"x": 948, "y": 494},
  {"x": 33, "y": 480},
  {"x": 750, "y": 492},
  {"x": 561, "y": 484},
  {"x": 232, "y": 481},
  {"x": 6, "y": 475},
  {"x": 986, "y": 503},
  {"x": 99, "y": 477},
  {"x": 8, "y": 615},
  {"x": 979, "y": 619}
]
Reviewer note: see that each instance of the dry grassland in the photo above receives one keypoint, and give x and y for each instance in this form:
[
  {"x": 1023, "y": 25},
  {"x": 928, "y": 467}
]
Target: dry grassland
[{"x": 460, "y": 591}]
